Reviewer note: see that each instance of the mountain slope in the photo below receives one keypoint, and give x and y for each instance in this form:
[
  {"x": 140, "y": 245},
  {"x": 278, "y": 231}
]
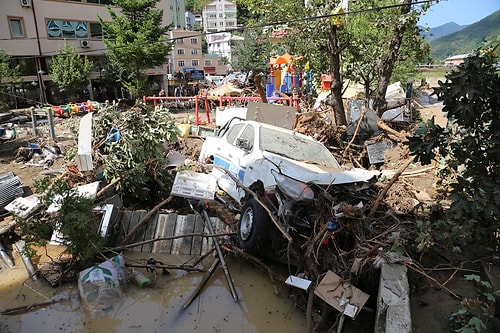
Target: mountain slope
[
  {"x": 443, "y": 30},
  {"x": 467, "y": 39}
]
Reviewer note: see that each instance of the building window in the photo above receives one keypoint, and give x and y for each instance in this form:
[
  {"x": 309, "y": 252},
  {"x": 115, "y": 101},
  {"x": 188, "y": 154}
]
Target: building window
[
  {"x": 95, "y": 30},
  {"x": 67, "y": 29},
  {"x": 99, "y": 2},
  {"x": 195, "y": 62},
  {"x": 194, "y": 40},
  {"x": 180, "y": 63},
  {"x": 16, "y": 27},
  {"x": 180, "y": 51},
  {"x": 194, "y": 51},
  {"x": 179, "y": 41},
  {"x": 208, "y": 62},
  {"x": 220, "y": 62}
]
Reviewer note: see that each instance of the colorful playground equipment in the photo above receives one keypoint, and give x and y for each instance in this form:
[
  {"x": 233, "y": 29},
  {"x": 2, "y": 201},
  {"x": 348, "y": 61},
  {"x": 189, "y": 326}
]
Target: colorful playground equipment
[
  {"x": 70, "y": 109},
  {"x": 284, "y": 74}
]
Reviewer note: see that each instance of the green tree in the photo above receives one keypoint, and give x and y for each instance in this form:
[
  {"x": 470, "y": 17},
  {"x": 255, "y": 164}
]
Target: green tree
[
  {"x": 252, "y": 53},
  {"x": 369, "y": 33},
  {"x": 196, "y": 5},
  {"x": 135, "y": 41},
  {"x": 468, "y": 150},
  {"x": 9, "y": 76},
  {"x": 69, "y": 70}
]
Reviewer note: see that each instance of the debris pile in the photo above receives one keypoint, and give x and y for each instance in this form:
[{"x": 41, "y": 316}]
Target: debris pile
[{"x": 128, "y": 157}]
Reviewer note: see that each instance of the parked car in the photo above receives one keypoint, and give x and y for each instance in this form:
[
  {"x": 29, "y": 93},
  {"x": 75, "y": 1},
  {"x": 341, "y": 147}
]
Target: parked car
[{"x": 286, "y": 169}]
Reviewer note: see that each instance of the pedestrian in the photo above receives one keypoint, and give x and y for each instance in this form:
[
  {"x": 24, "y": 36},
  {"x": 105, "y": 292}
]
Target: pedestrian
[
  {"x": 178, "y": 93},
  {"x": 162, "y": 94}
]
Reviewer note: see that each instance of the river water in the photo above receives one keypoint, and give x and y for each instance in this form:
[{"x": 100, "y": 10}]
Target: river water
[{"x": 157, "y": 308}]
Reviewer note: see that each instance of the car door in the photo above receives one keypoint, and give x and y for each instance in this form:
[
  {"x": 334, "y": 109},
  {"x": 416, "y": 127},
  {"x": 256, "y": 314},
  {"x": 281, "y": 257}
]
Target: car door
[{"x": 233, "y": 154}]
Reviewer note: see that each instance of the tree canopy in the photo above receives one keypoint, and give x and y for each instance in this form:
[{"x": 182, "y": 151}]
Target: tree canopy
[
  {"x": 9, "y": 75},
  {"x": 467, "y": 151},
  {"x": 69, "y": 70},
  {"x": 135, "y": 41}
]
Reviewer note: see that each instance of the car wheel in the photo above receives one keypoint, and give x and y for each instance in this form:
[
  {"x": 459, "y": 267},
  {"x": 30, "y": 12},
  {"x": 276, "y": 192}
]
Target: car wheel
[{"x": 253, "y": 227}]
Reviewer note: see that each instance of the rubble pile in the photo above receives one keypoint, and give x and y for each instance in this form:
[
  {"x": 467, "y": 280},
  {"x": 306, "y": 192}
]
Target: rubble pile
[{"x": 351, "y": 231}]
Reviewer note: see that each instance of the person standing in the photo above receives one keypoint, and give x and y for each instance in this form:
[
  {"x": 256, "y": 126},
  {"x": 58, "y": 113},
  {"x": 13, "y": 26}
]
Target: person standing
[{"x": 162, "y": 94}]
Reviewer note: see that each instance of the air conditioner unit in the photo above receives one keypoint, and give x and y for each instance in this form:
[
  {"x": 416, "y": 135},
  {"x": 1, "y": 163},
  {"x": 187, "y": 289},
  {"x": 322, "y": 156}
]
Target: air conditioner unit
[
  {"x": 26, "y": 3},
  {"x": 85, "y": 43}
]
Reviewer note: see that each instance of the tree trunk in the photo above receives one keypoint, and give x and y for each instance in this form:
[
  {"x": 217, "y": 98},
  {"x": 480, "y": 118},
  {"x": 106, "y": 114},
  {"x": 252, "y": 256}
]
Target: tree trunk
[
  {"x": 336, "y": 88},
  {"x": 386, "y": 65}
]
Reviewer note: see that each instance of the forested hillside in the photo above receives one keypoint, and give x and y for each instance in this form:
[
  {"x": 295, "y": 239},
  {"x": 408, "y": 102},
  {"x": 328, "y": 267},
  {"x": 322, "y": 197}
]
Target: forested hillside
[{"x": 467, "y": 39}]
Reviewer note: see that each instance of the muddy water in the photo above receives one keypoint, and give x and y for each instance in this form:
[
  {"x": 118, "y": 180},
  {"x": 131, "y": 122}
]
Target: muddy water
[{"x": 157, "y": 308}]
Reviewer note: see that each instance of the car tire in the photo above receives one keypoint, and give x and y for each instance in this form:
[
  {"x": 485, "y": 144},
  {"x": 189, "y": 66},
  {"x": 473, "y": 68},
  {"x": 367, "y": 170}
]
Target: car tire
[{"x": 253, "y": 227}]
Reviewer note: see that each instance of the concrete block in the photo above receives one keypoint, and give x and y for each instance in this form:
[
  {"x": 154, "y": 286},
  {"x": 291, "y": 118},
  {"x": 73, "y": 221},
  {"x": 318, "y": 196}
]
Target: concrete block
[{"x": 393, "y": 301}]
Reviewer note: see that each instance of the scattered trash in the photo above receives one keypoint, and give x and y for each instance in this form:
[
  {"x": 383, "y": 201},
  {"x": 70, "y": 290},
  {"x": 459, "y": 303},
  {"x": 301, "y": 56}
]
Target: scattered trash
[
  {"x": 101, "y": 286},
  {"x": 10, "y": 188},
  {"x": 139, "y": 279},
  {"x": 298, "y": 282},
  {"x": 340, "y": 294},
  {"x": 21, "y": 248}
]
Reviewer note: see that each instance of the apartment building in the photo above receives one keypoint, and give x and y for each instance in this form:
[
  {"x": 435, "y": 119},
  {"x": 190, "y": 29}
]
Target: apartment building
[
  {"x": 32, "y": 32},
  {"x": 219, "y": 15},
  {"x": 176, "y": 13},
  {"x": 219, "y": 18}
]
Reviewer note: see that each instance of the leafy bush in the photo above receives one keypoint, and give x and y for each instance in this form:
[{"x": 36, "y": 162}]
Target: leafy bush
[
  {"x": 468, "y": 149},
  {"x": 128, "y": 146},
  {"x": 477, "y": 314},
  {"x": 74, "y": 221}
]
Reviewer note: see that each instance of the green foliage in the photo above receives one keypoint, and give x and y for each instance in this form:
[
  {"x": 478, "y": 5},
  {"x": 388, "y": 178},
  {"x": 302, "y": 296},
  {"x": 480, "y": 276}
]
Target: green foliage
[
  {"x": 9, "y": 76},
  {"x": 468, "y": 149},
  {"x": 74, "y": 221},
  {"x": 69, "y": 70},
  {"x": 477, "y": 314},
  {"x": 467, "y": 39},
  {"x": 196, "y": 6},
  {"x": 135, "y": 41},
  {"x": 252, "y": 54},
  {"x": 370, "y": 38},
  {"x": 137, "y": 158}
]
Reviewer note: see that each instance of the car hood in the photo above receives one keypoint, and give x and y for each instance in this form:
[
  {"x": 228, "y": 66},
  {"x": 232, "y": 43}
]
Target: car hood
[{"x": 320, "y": 175}]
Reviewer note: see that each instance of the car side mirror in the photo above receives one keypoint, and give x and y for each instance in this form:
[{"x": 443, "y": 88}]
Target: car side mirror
[{"x": 243, "y": 144}]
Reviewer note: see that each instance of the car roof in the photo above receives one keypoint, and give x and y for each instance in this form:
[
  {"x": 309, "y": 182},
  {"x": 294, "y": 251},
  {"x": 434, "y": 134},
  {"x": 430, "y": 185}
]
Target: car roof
[{"x": 277, "y": 128}]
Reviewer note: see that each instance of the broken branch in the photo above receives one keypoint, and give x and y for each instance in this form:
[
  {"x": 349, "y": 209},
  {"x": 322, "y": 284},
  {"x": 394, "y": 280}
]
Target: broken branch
[{"x": 382, "y": 194}]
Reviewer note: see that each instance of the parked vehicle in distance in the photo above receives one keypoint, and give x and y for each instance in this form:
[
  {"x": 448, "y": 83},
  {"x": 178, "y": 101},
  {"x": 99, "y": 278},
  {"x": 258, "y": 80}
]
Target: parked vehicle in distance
[{"x": 284, "y": 168}]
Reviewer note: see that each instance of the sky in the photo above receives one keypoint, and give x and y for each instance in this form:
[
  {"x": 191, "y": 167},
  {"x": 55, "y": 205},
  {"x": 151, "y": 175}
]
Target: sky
[{"x": 462, "y": 12}]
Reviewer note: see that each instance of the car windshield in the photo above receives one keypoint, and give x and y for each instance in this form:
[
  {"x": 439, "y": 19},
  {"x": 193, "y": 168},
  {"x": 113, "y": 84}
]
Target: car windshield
[{"x": 296, "y": 147}]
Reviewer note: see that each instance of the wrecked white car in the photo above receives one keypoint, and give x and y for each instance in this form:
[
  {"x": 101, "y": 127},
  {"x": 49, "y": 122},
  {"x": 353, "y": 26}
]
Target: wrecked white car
[{"x": 287, "y": 171}]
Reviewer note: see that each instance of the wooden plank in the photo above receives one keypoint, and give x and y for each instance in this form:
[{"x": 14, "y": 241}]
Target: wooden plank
[
  {"x": 151, "y": 226},
  {"x": 125, "y": 225},
  {"x": 197, "y": 240},
  {"x": 188, "y": 229},
  {"x": 165, "y": 228},
  {"x": 179, "y": 227},
  {"x": 139, "y": 234}
]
